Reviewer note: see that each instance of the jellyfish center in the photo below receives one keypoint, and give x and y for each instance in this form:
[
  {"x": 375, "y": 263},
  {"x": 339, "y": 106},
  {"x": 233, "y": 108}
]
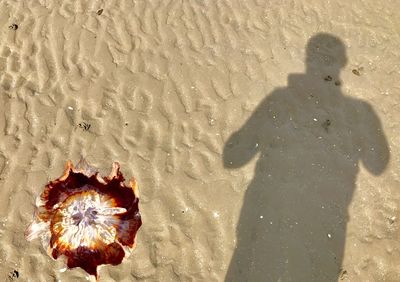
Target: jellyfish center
[
  {"x": 87, "y": 216},
  {"x": 86, "y": 219}
]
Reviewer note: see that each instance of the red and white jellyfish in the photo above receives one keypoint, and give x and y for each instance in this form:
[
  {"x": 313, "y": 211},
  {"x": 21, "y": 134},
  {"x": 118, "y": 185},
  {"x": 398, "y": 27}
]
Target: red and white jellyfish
[{"x": 89, "y": 219}]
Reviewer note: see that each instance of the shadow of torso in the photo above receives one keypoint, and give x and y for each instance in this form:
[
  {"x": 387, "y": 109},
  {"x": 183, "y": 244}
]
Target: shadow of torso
[{"x": 309, "y": 139}]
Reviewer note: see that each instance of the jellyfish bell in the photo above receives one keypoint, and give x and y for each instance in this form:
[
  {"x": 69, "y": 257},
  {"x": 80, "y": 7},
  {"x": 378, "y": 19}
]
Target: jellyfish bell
[{"x": 88, "y": 219}]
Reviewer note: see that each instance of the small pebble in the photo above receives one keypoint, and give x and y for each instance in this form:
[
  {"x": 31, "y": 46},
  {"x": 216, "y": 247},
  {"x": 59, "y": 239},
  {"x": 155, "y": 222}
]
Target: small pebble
[
  {"x": 13, "y": 27},
  {"x": 326, "y": 124},
  {"x": 343, "y": 274}
]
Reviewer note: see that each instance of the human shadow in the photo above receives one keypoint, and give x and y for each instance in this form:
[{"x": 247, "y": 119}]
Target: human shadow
[{"x": 310, "y": 139}]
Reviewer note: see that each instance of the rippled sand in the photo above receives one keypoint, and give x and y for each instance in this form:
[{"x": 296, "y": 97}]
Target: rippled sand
[{"x": 161, "y": 86}]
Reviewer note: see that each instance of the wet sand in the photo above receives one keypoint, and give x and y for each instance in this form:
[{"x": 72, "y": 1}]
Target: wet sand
[{"x": 163, "y": 87}]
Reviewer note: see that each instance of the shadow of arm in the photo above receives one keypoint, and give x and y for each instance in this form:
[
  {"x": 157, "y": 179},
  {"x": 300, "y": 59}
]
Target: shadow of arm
[
  {"x": 239, "y": 149},
  {"x": 376, "y": 153},
  {"x": 245, "y": 143}
]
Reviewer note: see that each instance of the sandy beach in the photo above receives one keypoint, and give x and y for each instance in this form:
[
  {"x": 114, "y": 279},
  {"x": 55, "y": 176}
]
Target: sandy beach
[{"x": 263, "y": 134}]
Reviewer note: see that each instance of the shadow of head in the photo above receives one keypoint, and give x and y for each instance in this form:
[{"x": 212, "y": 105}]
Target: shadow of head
[{"x": 325, "y": 51}]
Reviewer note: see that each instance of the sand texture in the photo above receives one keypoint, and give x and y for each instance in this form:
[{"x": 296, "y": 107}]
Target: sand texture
[{"x": 255, "y": 161}]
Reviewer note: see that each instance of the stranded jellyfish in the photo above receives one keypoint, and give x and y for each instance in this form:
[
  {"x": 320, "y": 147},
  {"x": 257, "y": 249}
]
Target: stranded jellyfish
[{"x": 89, "y": 219}]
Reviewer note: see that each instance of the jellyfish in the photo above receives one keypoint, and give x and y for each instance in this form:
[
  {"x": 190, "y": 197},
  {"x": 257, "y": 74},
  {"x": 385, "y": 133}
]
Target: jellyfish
[{"x": 88, "y": 219}]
